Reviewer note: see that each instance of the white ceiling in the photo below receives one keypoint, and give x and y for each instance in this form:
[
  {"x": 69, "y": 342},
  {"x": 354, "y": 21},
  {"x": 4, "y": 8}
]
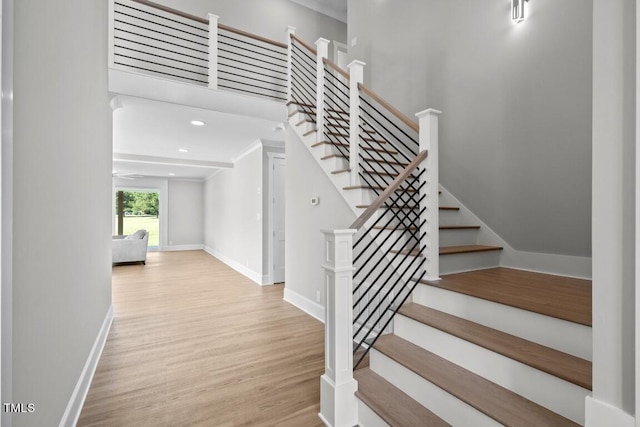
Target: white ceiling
[{"x": 147, "y": 137}]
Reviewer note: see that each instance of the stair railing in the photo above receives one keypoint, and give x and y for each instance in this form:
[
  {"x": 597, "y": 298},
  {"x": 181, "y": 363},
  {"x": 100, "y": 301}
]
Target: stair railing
[{"x": 150, "y": 38}]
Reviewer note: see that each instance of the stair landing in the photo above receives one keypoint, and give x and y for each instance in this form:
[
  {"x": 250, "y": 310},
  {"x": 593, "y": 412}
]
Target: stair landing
[{"x": 556, "y": 296}]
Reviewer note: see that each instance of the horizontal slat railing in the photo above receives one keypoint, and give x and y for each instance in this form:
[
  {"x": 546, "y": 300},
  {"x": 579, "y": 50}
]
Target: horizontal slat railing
[
  {"x": 159, "y": 42},
  {"x": 154, "y": 39},
  {"x": 251, "y": 64},
  {"x": 303, "y": 77}
]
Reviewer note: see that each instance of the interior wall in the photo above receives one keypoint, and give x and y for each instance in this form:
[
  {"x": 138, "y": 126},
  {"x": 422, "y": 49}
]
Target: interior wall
[
  {"x": 267, "y": 18},
  {"x": 515, "y": 135},
  {"x": 233, "y": 214},
  {"x": 304, "y": 242},
  {"x": 186, "y": 213},
  {"x": 61, "y": 200}
]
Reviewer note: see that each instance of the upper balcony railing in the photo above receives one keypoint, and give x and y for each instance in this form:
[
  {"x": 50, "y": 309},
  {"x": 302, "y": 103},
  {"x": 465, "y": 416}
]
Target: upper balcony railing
[{"x": 153, "y": 39}]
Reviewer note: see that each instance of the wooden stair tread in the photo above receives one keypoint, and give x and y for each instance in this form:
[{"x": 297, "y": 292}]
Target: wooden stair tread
[
  {"x": 391, "y": 404},
  {"x": 463, "y": 249},
  {"x": 442, "y": 208},
  {"x": 487, "y": 397},
  {"x": 459, "y": 227},
  {"x": 452, "y": 250},
  {"x": 556, "y": 296},
  {"x": 554, "y": 362},
  {"x": 309, "y": 132}
]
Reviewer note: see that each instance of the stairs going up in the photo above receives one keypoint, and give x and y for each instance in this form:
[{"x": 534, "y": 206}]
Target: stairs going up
[{"x": 483, "y": 346}]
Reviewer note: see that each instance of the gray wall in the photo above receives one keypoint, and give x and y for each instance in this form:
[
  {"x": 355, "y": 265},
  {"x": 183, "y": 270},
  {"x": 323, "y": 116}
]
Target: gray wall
[
  {"x": 186, "y": 213},
  {"x": 267, "y": 18},
  {"x": 516, "y": 128},
  {"x": 61, "y": 199},
  {"x": 233, "y": 212},
  {"x": 304, "y": 241}
]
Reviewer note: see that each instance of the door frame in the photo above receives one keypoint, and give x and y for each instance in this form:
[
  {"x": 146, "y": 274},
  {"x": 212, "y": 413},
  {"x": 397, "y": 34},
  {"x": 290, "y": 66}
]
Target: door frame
[{"x": 270, "y": 165}]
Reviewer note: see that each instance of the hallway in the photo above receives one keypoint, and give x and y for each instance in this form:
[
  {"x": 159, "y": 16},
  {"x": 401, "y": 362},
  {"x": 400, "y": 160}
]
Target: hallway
[{"x": 195, "y": 343}]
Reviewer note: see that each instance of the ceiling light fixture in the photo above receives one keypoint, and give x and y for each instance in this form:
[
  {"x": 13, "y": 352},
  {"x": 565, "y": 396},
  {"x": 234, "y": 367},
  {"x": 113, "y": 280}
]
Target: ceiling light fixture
[
  {"x": 172, "y": 174},
  {"x": 183, "y": 150},
  {"x": 197, "y": 122},
  {"x": 518, "y": 10}
]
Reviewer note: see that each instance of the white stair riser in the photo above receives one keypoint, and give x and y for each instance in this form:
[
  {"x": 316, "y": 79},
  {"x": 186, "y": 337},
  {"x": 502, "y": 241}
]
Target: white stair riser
[
  {"x": 357, "y": 196},
  {"x": 441, "y": 403},
  {"x": 455, "y": 263},
  {"x": 368, "y": 418},
  {"x": 334, "y": 163},
  {"x": 560, "y": 396},
  {"x": 561, "y": 335},
  {"x": 322, "y": 150},
  {"x": 448, "y": 217},
  {"x": 458, "y": 237},
  {"x": 340, "y": 179}
]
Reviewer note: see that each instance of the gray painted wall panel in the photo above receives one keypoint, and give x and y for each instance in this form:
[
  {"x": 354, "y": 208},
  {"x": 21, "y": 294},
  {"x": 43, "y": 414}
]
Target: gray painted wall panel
[{"x": 516, "y": 128}]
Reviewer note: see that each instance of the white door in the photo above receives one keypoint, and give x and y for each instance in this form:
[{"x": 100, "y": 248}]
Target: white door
[{"x": 278, "y": 219}]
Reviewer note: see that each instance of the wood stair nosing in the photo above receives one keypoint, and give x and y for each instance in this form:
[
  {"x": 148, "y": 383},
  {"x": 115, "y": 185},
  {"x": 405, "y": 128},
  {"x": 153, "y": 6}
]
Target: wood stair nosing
[
  {"x": 453, "y": 250},
  {"x": 504, "y": 406},
  {"x": 562, "y": 365},
  {"x": 340, "y": 171},
  {"x": 391, "y": 404},
  {"x": 561, "y": 297},
  {"x": 309, "y": 132}
]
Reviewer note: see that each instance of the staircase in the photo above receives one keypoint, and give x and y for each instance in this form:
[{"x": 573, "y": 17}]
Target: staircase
[
  {"x": 483, "y": 346},
  {"x": 441, "y": 334}
]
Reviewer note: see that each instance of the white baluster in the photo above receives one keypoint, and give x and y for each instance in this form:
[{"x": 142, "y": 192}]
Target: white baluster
[
  {"x": 213, "y": 51},
  {"x": 428, "y": 140},
  {"x": 356, "y": 74},
  {"x": 338, "y": 406}
]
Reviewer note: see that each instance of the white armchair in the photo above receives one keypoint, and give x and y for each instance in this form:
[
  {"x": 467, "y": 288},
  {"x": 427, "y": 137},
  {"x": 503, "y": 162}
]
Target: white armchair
[{"x": 132, "y": 248}]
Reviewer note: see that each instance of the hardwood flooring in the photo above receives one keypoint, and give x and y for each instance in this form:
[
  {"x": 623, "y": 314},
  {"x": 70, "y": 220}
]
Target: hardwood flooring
[{"x": 195, "y": 343}]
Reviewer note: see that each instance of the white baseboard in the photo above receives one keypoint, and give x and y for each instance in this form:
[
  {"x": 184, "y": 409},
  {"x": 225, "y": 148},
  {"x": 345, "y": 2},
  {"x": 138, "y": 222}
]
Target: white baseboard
[
  {"x": 245, "y": 271},
  {"x": 599, "y": 413},
  {"x": 173, "y": 248},
  {"x": 74, "y": 407},
  {"x": 312, "y": 308}
]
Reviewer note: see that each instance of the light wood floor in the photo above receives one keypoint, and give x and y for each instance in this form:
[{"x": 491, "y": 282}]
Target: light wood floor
[{"x": 195, "y": 343}]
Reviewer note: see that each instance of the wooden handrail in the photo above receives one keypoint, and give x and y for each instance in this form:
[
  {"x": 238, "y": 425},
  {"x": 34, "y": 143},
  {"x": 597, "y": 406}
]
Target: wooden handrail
[
  {"x": 172, "y": 11},
  {"x": 251, "y": 35},
  {"x": 333, "y": 65},
  {"x": 382, "y": 198},
  {"x": 401, "y": 116},
  {"x": 206, "y": 21},
  {"x": 305, "y": 44}
]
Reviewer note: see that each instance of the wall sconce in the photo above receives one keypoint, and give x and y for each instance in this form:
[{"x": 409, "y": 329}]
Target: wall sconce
[{"x": 518, "y": 10}]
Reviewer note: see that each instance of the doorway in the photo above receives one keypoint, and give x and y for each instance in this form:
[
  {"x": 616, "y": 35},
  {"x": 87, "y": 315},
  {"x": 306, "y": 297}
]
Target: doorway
[
  {"x": 277, "y": 164},
  {"x": 135, "y": 210}
]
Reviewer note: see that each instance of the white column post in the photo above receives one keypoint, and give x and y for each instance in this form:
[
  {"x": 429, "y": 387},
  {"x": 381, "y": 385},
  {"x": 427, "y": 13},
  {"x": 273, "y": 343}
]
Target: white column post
[
  {"x": 338, "y": 406},
  {"x": 356, "y": 74},
  {"x": 428, "y": 140},
  {"x": 322, "y": 46},
  {"x": 213, "y": 51},
  {"x": 290, "y": 31}
]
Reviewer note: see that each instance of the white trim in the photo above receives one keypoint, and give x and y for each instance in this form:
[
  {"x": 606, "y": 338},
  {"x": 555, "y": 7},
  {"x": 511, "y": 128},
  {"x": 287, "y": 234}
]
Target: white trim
[
  {"x": 174, "y": 248},
  {"x": 245, "y": 271},
  {"x": 312, "y": 308},
  {"x": 339, "y": 47},
  {"x": 271, "y": 156},
  {"x": 74, "y": 407},
  {"x": 599, "y": 413},
  {"x": 250, "y": 149}
]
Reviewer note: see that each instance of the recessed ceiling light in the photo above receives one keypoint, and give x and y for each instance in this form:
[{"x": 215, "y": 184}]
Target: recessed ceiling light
[
  {"x": 183, "y": 150},
  {"x": 197, "y": 122},
  {"x": 172, "y": 174}
]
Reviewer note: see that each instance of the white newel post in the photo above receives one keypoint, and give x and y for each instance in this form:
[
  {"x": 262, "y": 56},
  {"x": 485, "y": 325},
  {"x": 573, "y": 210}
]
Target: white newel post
[
  {"x": 356, "y": 74},
  {"x": 338, "y": 407},
  {"x": 290, "y": 31},
  {"x": 322, "y": 46},
  {"x": 428, "y": 140},
  {"x": 213, "y": 51}
]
